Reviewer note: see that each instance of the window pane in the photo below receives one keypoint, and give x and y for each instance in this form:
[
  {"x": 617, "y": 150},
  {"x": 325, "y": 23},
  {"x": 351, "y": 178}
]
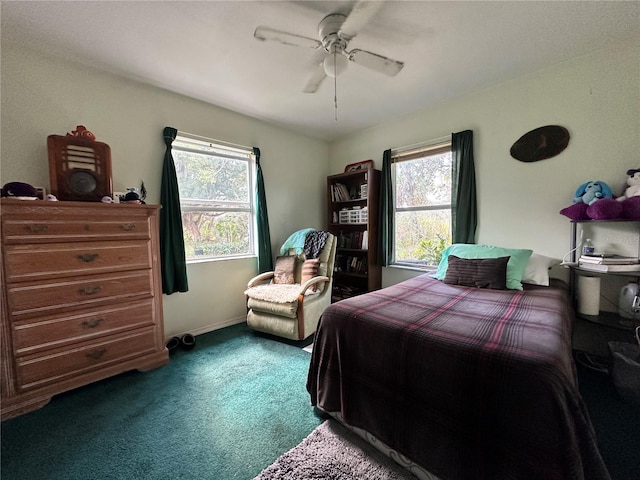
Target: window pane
[
  {"x": 424, "y": 182},
  {"x": 211, "y": 178},
  {"x": 214, "y": 234},
  {"x": 215, "y": 185},
  {"x": 421, "y": 236}
]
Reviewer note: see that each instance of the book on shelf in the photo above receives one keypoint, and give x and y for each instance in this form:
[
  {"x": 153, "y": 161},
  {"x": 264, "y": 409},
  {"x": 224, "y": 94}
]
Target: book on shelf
[
  {"x": 350, "y": 264},
  {"x": 608, "y": 259},
  {"x": 339, "y": 192},
  {"x": 354, "y": 240},
  {"x": 606, "y": 268}
]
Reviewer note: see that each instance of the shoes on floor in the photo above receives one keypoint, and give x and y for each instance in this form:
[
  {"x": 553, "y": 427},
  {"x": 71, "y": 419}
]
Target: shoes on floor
[
  {"x": 173, "y": 344},
  {"x": 188, "y": 341}
]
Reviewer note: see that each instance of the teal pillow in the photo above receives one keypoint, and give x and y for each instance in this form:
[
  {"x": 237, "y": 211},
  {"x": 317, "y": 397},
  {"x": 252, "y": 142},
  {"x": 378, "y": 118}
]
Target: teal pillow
[{"x": 515, "y": 268}]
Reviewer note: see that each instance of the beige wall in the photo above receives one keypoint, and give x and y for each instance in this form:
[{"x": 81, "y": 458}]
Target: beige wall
[
  {"x": 596, "y": 97},
  {"x": 43, "y": 96}
]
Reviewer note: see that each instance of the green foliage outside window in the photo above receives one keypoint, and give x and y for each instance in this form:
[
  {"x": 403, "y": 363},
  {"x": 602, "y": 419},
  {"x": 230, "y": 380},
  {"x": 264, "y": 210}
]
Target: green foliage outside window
[
  {"x": 216, "y": 204},
  {"x": 423, "y": 210}
]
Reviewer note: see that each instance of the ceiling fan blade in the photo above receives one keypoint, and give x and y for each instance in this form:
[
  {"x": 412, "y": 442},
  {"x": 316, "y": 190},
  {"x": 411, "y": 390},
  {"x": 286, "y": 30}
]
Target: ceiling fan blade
[
  {"x": 361, "y": 14},
  {"x": 376, "y": 62},
  {"x": 316, "y": 80},
  {"x": 266, "y": 33}
]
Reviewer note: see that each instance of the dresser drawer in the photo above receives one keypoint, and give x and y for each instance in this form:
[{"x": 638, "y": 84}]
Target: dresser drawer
[
  {"x": 56, "y": 365},
  {"x": 43, "y": 333},
  {"x": 34, "y": 299},
  {"x": 39, "y": 228},
  {"x": 54, "y": 260}
]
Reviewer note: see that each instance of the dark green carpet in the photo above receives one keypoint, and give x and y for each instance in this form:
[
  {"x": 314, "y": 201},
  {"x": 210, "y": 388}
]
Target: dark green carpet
[
  {"x": 616, "y": 422},
  {"x": 225, "y": 410}
]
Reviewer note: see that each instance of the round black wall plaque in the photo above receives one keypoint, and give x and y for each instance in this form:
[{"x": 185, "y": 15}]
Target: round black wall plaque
[{"x": 541, "y": 143}]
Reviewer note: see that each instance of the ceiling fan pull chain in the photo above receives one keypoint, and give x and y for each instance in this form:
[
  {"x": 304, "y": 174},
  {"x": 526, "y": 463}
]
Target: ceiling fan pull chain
[{"x": 335, "y": 87}]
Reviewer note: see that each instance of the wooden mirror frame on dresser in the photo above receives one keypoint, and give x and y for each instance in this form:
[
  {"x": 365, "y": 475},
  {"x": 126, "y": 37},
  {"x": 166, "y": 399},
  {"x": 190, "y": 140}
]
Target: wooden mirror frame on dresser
[{"x": 81, "y": 297}]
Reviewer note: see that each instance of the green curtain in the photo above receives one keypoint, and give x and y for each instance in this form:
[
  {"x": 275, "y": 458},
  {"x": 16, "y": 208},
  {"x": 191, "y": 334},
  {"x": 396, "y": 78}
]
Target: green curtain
[
  {"x": 385, "y": 241},
  {"x": 265, "y": 258},
  {"x": 172, "y": 257},
  {"x": 464, "y": 216}
]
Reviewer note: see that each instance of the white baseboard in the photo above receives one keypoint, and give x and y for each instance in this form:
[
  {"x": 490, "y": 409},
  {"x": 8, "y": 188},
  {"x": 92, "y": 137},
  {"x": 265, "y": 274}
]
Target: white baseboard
[{"x": 212, "y": 327}]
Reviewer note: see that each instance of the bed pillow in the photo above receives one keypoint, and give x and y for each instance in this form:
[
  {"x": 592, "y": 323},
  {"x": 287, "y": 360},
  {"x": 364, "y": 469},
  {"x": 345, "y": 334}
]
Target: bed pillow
[
  {"x": 515, "y": 267},
  {"x": 537, "y": 270},
  {"x": 477, "y": 272},
  {"x": 284, "y": 269}
]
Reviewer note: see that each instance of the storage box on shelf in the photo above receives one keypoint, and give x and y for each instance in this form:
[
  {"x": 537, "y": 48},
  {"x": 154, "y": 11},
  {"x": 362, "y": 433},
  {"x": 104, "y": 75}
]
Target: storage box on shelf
[
  {"x": 352, "y": 206},
  {"x": 355, "y": 215},
  {"x": 81, "y": 295}
]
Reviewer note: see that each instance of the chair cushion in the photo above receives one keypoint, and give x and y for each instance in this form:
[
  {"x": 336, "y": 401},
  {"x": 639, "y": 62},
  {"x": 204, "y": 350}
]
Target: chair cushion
[
  {"x": 276, "y": 293},
  {"x": 278, "y": 299},
  {"x": 287, "y": 310},
  {"x": 285, "y": 269}
]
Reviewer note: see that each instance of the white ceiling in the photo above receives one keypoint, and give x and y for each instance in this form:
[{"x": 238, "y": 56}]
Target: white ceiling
[{"x": 206, "y": 50}]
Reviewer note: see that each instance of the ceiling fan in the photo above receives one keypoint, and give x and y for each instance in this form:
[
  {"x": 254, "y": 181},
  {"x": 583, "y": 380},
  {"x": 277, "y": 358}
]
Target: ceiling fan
[{"x": 334, "y": 33}]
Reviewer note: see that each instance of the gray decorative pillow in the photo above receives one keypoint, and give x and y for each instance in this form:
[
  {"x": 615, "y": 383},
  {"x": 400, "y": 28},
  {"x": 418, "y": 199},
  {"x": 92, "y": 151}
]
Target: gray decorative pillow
[
  {"x": 477, "y": 272},
  {"x": 284, "y": 271}
]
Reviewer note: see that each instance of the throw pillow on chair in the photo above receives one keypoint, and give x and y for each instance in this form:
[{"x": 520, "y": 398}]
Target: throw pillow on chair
[
  {"x": 285, "y": 268},
  {"x": 310, "y": 270}
]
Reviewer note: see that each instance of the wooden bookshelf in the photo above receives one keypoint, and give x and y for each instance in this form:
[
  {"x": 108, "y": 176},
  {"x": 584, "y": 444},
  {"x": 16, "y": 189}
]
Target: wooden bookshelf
[{"x": 352, "y": 208}]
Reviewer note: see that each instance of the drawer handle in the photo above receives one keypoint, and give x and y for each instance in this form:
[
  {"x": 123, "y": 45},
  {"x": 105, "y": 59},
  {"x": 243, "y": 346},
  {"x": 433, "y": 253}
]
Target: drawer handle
[
  {"x": 38, "y": 228},
  {"x": 93, "y": 323},
  {"x": 127, "y": 227},
  {"x": 97, "y": 354},
  {"x": 88, "y": 257},
  {"x": 90, "y": 290}
]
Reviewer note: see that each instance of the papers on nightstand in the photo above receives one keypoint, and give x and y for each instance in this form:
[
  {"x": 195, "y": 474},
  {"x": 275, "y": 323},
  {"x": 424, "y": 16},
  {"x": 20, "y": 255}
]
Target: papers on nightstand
[
  {"x": 609, "y": 262},
  {"x": 608, "y": 259}
]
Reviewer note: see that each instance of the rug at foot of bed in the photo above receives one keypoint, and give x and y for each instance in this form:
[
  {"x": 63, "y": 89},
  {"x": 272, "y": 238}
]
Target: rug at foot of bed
[{"x": 331, "y": 452}]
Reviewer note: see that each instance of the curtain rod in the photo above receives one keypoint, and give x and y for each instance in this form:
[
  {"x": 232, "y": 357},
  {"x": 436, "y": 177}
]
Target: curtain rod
[
  {"x": 420, "y": 145},
  {"x": 209, "y": 140}
]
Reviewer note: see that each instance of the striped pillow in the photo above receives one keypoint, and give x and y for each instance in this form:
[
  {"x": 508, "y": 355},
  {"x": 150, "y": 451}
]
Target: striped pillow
[
  {"x": 310, "y": 270},
  {"x": 477, "y": 272}
]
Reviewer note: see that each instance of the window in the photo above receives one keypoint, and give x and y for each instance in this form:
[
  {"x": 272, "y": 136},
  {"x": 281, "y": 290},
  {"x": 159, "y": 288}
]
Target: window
[
  {"x": 215, "y": 183},
  {"x": 422, "y": 204}
]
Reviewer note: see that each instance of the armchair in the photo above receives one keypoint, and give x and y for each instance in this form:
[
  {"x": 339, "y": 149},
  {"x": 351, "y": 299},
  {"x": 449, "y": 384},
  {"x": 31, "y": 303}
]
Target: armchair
[{"x": 292, "y": 310}]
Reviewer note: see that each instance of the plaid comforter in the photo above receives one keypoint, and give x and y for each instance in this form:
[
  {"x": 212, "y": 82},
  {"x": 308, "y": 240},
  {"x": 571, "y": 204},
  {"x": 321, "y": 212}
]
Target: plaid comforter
[{"x": 468, "y": 383}]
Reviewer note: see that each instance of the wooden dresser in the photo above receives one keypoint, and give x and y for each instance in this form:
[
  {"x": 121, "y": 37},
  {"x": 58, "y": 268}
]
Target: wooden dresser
[{"x": 81, "y": 297}]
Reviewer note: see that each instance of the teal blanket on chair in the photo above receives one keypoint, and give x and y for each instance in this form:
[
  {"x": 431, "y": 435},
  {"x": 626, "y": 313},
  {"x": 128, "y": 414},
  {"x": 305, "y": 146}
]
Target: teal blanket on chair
[{"x": 296, "y": 241}]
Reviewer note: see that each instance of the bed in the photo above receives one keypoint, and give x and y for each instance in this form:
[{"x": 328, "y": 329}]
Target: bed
[{"x": 468, "y": 383}]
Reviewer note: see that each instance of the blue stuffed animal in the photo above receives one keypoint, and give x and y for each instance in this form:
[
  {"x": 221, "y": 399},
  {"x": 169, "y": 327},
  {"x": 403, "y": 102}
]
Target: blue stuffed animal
[{"x": 591, "y": 192}]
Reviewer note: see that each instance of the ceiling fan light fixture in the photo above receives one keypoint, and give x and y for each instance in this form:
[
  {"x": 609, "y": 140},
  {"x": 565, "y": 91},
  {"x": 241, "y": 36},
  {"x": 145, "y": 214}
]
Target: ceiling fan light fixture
[{"x": 335, "y": 64}]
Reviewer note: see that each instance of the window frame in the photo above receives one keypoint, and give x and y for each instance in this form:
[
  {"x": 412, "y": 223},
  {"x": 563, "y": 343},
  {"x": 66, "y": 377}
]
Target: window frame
[
  {"x": 220, "y": 149},
  {"x": 406, "y": 154}
]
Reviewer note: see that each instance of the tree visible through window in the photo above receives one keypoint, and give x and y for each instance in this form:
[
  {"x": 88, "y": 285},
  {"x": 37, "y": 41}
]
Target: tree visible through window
[
  {"x": 422, "y": 186},
  {"x": 216, "y": 198}
]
